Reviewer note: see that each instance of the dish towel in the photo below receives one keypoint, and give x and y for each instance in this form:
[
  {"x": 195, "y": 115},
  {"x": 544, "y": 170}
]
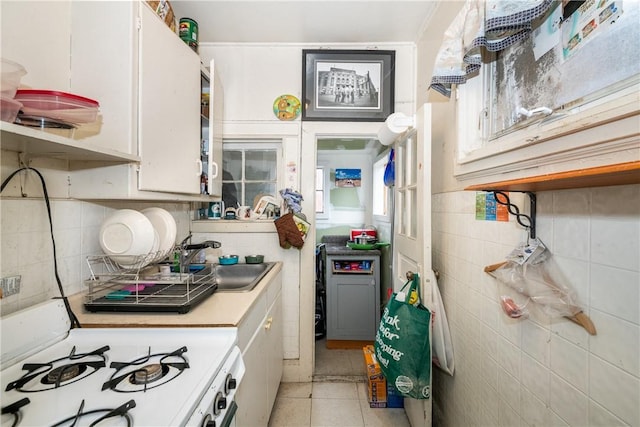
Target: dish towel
[{"x": 481, "y": 24}]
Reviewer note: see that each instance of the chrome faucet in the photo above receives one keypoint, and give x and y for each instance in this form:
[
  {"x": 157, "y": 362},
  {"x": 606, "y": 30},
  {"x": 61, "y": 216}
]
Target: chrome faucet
[{"x": 189, "y": 251}]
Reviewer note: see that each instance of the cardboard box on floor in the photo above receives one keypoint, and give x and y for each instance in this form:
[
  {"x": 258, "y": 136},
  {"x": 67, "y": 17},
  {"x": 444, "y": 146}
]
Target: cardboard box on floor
[{"x": 380, "y": 394}]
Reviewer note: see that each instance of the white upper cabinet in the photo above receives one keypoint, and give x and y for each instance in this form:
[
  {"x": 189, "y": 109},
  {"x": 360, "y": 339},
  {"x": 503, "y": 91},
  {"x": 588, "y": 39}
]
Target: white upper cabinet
[
  {"x": 146, "y": 141},
  {"x": 147, "y": 82}
]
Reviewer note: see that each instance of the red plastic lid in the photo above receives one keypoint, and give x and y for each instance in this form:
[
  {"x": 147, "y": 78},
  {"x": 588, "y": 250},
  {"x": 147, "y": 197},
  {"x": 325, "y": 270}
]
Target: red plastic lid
[{"x": 68, "y": 96}]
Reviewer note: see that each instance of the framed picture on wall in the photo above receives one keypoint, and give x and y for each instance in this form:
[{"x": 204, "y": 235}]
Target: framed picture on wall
[
  {"x": 348, "y": 178},
  {"x": 347, "y": 85}
]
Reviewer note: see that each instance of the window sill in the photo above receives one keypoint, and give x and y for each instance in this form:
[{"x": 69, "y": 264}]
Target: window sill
[
  {"x": 618, "y": 174},
  {"x": 233, "y": 226},
  {"x": 592, "y": 136}
]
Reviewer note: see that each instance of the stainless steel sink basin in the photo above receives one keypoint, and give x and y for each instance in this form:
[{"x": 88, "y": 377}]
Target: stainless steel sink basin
[{"x": 235, "y": 277}]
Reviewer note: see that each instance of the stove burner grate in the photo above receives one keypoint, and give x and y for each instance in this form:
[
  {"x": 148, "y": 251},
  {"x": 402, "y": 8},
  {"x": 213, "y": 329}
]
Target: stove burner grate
[
  {"x": 147, "y": 372},
  {"x": 14, "y": 409},
  {"x": 57, "y": 373},
  {"x": 120, "y": 411}
]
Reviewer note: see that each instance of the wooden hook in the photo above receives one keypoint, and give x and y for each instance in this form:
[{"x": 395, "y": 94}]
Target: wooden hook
[
  {"x": 584, "y": 321},
  {"x": 579, "y": 318},
  {"x": 494, "y": 267}
]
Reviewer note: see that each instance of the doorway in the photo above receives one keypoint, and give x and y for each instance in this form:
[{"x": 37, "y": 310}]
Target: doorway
[{"x": 340, "y": 207}]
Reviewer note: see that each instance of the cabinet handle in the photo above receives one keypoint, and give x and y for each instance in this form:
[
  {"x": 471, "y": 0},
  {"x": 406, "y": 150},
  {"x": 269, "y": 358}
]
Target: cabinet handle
[
  {"x": 214, "y": 172},
  {"x": 267, "y": 325},
  {"x": 199, "y": 163}
]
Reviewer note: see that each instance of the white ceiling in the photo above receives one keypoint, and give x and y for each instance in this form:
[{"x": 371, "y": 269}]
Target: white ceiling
[{"x": 306, "y": 21}]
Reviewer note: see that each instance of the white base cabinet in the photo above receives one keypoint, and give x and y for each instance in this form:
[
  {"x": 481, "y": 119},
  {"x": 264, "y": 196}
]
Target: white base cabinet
[{"x": 261, "y": 342}]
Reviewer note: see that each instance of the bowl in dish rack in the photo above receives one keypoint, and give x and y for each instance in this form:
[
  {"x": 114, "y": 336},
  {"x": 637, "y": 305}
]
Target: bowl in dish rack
[
  {"x": 165, "y": 225},
  {"x": 55, "y": 105},
  {"x": 127, "y": 237},
  {"x": 228, "y": 259}
]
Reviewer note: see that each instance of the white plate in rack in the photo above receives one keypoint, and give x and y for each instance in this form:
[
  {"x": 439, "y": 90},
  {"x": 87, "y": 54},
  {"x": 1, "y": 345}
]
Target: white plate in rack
[{"x": 165, "y": 226}]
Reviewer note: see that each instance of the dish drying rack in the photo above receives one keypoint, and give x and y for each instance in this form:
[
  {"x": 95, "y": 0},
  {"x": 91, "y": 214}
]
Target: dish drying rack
[{"x": 143, "y": 285}]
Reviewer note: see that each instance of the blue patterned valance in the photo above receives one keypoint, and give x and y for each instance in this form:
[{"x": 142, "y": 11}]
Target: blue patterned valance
[{"x": 481, "y": 24}]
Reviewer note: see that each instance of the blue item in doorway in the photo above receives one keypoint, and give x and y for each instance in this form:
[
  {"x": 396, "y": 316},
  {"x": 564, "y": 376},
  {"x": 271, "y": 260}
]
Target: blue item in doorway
[{"x": 390, "y": 171}]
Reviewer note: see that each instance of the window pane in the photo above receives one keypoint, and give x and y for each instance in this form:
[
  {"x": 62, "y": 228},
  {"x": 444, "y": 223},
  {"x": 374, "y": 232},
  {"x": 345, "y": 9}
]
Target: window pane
[
  {"x": 232, "y": 165},
  {"x": 319, "y": 178},
  {"x": 261, "y": 165},
  {"x": 319, "y": 201},
  {"x": 254, "y": 189}
]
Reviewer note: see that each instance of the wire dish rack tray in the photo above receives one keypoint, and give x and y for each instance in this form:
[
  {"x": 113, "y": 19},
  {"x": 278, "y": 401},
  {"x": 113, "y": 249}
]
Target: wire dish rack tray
[{"x": 143, "y": 287}]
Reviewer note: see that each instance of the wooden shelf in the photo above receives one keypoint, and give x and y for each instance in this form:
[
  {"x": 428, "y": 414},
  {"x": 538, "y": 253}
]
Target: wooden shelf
[{"x": 618, "y": 174}]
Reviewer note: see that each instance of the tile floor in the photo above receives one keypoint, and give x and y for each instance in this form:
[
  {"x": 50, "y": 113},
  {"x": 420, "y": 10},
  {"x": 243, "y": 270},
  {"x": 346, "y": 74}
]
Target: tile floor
[{"x": 337, "y": 397}]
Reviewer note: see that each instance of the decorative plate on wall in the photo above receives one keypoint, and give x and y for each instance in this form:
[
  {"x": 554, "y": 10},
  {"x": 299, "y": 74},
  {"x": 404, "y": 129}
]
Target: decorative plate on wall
[{"x": 287, "y": 107}]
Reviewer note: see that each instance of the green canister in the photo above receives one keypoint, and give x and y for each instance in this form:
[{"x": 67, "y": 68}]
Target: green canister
[{"x": 189, "y": 32}]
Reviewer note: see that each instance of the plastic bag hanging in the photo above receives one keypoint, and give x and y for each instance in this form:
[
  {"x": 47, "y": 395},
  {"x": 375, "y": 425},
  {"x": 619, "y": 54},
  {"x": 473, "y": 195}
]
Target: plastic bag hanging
[
  {"x": 390, "y": 170},
  {"x": 529, "y": 271}
]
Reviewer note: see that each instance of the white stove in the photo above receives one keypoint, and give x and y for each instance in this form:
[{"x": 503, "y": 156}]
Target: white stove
[{"x": 115, "y": 376}]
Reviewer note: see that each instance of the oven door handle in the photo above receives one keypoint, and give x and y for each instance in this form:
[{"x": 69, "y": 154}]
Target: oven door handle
[{"x": 230, "y": 414}]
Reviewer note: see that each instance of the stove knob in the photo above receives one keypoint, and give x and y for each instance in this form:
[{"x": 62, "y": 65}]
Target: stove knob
[
  {"x": 219, "y": 403},
  {"x": 229, "y": 384},
  {"x": 208, "y": 422}
]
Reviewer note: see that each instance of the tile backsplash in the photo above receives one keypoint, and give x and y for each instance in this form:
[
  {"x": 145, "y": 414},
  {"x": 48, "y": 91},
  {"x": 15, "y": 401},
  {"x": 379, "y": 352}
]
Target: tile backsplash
[
  {"x": 542, "y": 370},
  {"x": 27, "y": 250}
]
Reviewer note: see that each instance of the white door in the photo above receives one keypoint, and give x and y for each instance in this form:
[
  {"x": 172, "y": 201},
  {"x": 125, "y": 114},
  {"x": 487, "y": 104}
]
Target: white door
[{"x": 412, "y": 225}]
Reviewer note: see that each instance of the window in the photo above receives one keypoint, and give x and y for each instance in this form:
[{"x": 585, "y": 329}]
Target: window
[
  {"x": 593, "y": 107},
  {"x": 381, "y": 192},
  {"x": 250, "y": 170},
  {"x": 322, "y": 192}
]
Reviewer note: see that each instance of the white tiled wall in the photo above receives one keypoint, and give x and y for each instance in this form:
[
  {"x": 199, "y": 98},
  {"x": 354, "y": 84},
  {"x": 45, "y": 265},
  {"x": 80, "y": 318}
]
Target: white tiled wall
[
  {"x": 542, "y": 371},
  {"x": 267, "y": 244},
  {"x": 26, "y": 246}
]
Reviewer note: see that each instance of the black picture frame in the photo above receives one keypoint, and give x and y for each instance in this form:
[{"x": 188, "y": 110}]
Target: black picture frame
[{"x": 347, "y": 85}]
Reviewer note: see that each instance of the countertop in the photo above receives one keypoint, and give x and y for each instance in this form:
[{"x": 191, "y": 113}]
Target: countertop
[
  {"x": 220, "y": 309},
  {"x": 344, "y": 250}
]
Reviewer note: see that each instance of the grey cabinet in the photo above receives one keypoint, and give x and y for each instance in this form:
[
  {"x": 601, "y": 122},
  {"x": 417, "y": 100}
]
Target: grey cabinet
[{"x": 353, "y": 297}]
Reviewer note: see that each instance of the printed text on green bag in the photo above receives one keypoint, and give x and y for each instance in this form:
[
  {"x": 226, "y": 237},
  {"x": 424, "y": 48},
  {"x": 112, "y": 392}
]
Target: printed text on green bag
[{"x": 388, "y": 334}]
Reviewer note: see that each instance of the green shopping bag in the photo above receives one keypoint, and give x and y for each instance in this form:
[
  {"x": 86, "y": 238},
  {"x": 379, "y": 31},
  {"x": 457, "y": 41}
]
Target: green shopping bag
[{"x": 402, "y": 342}]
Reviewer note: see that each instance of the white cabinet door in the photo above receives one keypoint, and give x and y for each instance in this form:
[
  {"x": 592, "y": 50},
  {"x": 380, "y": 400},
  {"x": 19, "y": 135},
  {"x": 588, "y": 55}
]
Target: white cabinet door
[
  {"x": 251, "y": 396},
  {"x": 273, "y": 328},
  {"x": 147, "y": 82},
  {"x": 216, "y": 112},
  {"x": 260, "y": 338},
  {"x": 169, "y": 111}
]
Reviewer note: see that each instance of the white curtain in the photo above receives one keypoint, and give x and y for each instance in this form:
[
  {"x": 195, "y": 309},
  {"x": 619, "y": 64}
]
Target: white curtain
[{"x": 481, "y": 24}]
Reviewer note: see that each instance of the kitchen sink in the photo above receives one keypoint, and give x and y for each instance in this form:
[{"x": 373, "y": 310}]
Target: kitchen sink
[{"x": 234, "y": 277}]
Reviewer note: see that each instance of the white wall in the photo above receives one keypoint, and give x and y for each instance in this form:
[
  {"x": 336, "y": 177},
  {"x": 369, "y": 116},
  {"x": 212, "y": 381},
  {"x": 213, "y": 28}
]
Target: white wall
[
  {"x": 542, "y": 371},
  {"x": 253, "y": 76},
  {"x": 537, "y": 371},
  {"x": 350, "y": 217},
  {"x": 26, "y": 247}
]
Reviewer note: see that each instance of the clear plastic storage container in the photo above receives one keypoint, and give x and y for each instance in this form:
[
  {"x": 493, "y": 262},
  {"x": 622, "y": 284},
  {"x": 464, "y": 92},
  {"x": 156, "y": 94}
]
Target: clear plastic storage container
[
  {"x": 58, "y": 105},
  {"x": 12, "y": 73}
]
